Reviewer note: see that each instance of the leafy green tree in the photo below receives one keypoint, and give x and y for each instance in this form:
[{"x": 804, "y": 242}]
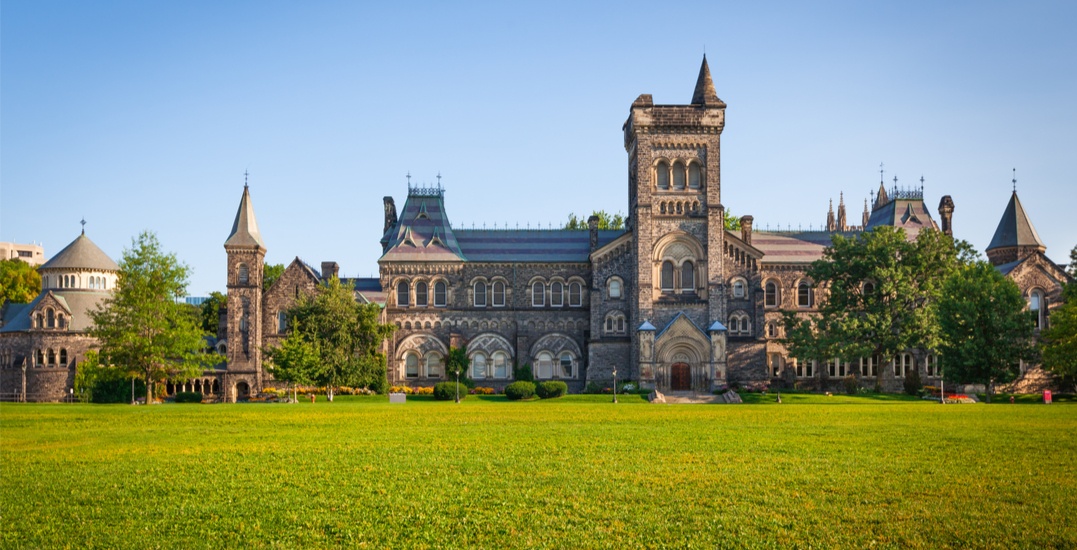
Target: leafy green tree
[
  {"x": 986, "y": 331},
  {"x": 270, "y": 274},
  {"x": 141, "y": 327},
  {"x": 297, "y": 360},
  {"x": 97, "y": 383},
  {"x": 605, "y": 221},
  {"x": 457, "y": 360},
  {"x": 210, "y": 317},
  {"x": 20, "y": 283},
  {"x": 1073, "y": 262},
  {"x": 1059, "y": 341},
  {"x": 732, "y": 222},
  {"x": 343, "y": 334},
  {"x": 878, "y": 298}
]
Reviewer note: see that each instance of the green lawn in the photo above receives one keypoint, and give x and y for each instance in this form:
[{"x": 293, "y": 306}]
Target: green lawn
[{"x": 577, "y": 472}]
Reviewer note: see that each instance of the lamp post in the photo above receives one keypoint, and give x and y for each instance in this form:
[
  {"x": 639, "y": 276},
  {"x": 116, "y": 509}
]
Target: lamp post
[
  {"x": 614, "y": 385},
  {"x": 457, "y": 385}
]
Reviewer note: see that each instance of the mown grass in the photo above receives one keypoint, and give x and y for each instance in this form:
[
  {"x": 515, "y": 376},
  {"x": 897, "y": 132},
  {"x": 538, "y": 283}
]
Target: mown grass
[{"x": 576, "y": 472}]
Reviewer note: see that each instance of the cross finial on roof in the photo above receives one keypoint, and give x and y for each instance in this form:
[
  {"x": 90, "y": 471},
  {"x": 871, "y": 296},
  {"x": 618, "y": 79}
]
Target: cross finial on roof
[
  {"x": 83, "y": 222},
  {"x": 895, "y": 180},
  {"x": 880, "y": 172},
  {"x": 409, "y": 178},
  {"x": 1014, "y": 180},
  {"x": 246, "y": 174},
  {"x": 439, "y": 178}
]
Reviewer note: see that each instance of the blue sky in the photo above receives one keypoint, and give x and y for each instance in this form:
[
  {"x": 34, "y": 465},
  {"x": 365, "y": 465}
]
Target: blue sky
[{"x": 145, "y": 115}]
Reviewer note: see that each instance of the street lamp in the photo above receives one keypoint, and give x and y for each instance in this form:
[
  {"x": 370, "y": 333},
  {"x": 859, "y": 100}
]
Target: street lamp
[
  {"x": 457, "y": 385},
  {"x": 614, "y": 385}
]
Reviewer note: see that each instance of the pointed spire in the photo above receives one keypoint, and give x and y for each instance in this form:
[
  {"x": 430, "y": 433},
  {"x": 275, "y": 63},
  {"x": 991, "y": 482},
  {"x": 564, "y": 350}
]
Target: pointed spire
[
  {"x": 842, "y": 225},
  {"x": 867, "y": 216},
  {"x": 704, "y": 93},
  {"x": 245, "y": 227},
  {"x": 1015, "y": 229}
]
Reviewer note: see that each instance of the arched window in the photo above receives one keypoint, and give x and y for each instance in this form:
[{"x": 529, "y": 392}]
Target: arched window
[
  {"x": 772, "y": 330},
  {"x": 694, "y": 176},
  {"x": 678, "y": 175},
  {"x": 501, "y": 364},
  {"x": 499, "y": 294},
  {"x": 40, "y": 320},
  {"x": 667, "y": 276},
  {"x": 902, "y": 365},
  {"x": 734, "y": 325},
  {"x": 538, "y": 294},
  {"x": 544, "y": 365},
  {"x": 52, "y": 356},
  {"x": 1035, "y": 306},
  {"x": 478, "y": 366},
  {"x": 63, "y": 356},
  {"x": 440, "y": 291},
  {"x": 869, "y": 288},
  {"x": 40, "y": 358},
  {"x": 771, "y": 292},
  {"x": 615, "y": 323},
  {"x": 932, "y": 365},
  {"x": 420, "y": 294},
  {"x": 403, "y": 294},
  {"x": 480, "y": 294},
  {"x": 557, "y": 294},
  {"x": 661, "y": 173},
  {"x": 433, "y": 364},
  {"x": 575, "y": 294},
  {"x": 566, "y": 363},
  {"x": 411, "y": 365},
  {"x": 688, "y": 277},
  {"x": 739, "y": 290},
  {"x": 282, "y": 322},
  {"x": 244, "y": 274},
  {"x": 51, "y": 316},
  {"x": 615, "y": 288},
  {"x": 61, "y": 320},
  {"x": 804, "y": 298}
]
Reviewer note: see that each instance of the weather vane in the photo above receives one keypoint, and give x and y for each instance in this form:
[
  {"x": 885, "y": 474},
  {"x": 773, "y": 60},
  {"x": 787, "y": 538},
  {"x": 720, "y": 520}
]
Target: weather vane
[
  {"x": 83, "y": 222},
  {"x": 245, "y": 176},
  {"x": 1014, "y": 180}
]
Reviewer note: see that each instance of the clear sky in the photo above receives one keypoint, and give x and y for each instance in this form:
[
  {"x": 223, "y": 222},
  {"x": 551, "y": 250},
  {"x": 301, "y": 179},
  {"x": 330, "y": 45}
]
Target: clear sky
[{"x": 145, "y": 115}]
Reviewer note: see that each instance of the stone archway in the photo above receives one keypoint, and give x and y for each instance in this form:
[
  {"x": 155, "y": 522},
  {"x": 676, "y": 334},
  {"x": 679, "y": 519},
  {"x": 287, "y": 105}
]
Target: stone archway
[{"x": 243, "y": 390}]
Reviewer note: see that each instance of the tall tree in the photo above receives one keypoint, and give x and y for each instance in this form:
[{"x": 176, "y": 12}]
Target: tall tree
[
  {"x": 20, "y": 283},
  {"x": 344, "y": 334},
  {"x": 605, "y": 221},
  {"x": 876, "y": 295},
  {"x": 1059, "y": 341},
  {"x": 297, "y": 360},
  {"x": 211, "y": 312},
  {"x": 1073, "y": 262},
  {"x": 270, "y": 274},
  {"x": 986, "y": 331},
  {"x": 141, "y": 326}
]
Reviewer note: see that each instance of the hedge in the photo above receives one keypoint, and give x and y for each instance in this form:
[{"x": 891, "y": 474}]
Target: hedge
[
  {"x": 447, "y": 391},
  {"x": 551, "y": 389},
  {"x": 188, "y": 397},
  {"x": 518, "y": 390}
]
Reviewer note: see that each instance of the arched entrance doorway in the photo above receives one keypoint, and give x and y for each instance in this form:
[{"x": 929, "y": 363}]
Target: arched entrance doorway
[
  {"x": 680, "y": 377},
  {"x": 243, "y": 390}
]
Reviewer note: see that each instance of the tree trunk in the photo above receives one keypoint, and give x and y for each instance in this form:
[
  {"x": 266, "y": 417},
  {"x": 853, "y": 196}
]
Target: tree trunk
[
  {"x": 989, "y": 390},
  {"x": 149, "y": 390}
]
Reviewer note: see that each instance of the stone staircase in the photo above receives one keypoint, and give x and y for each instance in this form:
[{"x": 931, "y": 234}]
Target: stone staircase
[{"x": 693, "y": 398}]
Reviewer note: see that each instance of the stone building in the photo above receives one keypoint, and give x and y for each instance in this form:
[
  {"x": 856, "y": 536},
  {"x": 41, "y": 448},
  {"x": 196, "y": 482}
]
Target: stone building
[{"x": 41, "y": 343}]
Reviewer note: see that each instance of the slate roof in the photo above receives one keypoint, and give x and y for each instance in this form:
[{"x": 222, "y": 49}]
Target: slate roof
[
  {"x": 422, "y": 232},
  {"x": 82, "y": 253},
  {"x": 792, "y": 247},
  {"x": 245, "y": 227},
  {"x": 531, "y": 245},
  {"x": 705, "y": 94},
  {"x": 1015, "y": 229},
  {"x": 78, "y": 301},
  {"x": 370, "y": 289},
  {"x": 909, "y": 214}
]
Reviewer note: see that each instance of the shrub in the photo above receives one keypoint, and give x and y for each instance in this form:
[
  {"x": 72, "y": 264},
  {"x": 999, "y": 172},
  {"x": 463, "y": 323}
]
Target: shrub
[
  {"x": 523, "y": 373},
  {"x": 521, "y": 389},
  {"x": 851, "y": 385},
  {"x": 593, "y": 387},
  {"x": 447, "y": 391},
  {"x": 551, "y": 389},
  {"x": 913, "y": 382},
  {"x": 188, "y": 397}
]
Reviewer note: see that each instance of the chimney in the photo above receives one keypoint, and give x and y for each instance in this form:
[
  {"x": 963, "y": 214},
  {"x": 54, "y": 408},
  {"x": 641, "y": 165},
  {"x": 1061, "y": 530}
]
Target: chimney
[
  {"x": 390, "y": 213},
  {"x": 592, "y": 224},
  {"x": 946, "y": 211},
  {"x": 330, "y": 270},
  {"x": 746, "y": 229}
]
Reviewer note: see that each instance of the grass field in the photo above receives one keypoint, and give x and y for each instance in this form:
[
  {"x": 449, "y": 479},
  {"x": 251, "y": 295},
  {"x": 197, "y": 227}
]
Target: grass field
[{"x": 576, "y": 472}]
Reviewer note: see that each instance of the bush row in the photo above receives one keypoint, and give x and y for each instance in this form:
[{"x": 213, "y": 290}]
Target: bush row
[{"x": 188, "y": 397}]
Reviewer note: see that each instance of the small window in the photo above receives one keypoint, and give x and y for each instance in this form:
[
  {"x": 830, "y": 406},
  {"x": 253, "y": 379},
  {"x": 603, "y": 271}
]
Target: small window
[
  {"x": 403, "y": 294},
  {"x": 411, "y": 365},
  {"x": 478, "y": 366},
  {"x": 282, "y": 322},
  {"x": 575, "y": 294},
  {"x": 678, "y": 175},
  {"x": 440, "y": 297},
  {"x": 499, "y": 294},
  {"x": 557, "y": 294},
  {"x": 244, "y": 274},
  {"x": 566, "y": 365},
  {"x": 61, "y": 321},
  {"x": 738, "y": 289},
  {"x": 869, "y": 289},
  {"x": 51, "y": 316},
  {"x": 63, "y": 356},
  {"x": 734, "y": 325},
  {"x": 688, "y": 277},
  {"x": 420, "y": 294},
  {"x": 480, "y": 294},
  {"x": 52, "y": 356},
  {"x": 40, "y": 320},
  {"x": 771, "y": 294},
  {"x": 40, "y": 357},
  {"x": 694, "y": 176},
  {"x": 538, "y": 294},
  {"x": 615, "y": 288},
  {"x": 544, "y": 365},
  {"x": 1035, "y": 306},
  {"x": 433, "y": 364},
  {"x": 667, "y": 276},
  {"x": 804, "y": 297},
  {"x": 501, "y": 364},
  {"x": 775, "y": 360},
  {"x": 662, "y": 175}
]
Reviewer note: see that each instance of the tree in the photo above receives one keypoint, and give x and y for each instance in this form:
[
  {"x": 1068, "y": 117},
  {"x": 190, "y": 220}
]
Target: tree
[
  {"x": 1073, "y": 262},
  {"x": 297, "y": 360},
  {"x": 142, "y": 329},
  {"x": 210, "y": 318},
  {"x": 986, "y": 331},
  {"x": 457, "y": 361},
  {"x": 605, "y": 221},
  {"x": 879, "y": 296},
  {"x": 270, "y": 274},
  {"x": 343, "y": 335},
  {"x": 1059, "y": 341},
  {"x": 20, "y": 283},
  {"x": 732, "y": 222}
]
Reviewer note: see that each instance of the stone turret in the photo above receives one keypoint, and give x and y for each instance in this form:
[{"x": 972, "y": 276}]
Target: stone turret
[
  {"x": 246, "y": 258},
  {"x": 746, "y": 229},
  {"x": 1015, "y": 236},
  {"x": 831, "y": 225}
]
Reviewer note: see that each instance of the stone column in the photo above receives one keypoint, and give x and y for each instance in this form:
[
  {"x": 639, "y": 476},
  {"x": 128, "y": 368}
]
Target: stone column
[
  {"x": 647, "y": 370},
  {"x": 717, "y": 333}
]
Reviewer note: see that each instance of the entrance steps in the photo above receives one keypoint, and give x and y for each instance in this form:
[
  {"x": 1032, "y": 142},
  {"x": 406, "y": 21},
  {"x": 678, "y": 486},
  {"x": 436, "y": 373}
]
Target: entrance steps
[{"x": 689, "y": 397}]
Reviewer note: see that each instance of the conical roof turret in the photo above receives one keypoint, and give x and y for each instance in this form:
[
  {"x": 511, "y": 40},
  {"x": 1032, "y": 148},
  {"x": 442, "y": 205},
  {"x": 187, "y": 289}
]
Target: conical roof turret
[
  {"x": 704, "y": 93},
  {"x": 1015, "y": 229},
  {"x": 245, "y": 228},
  {"x": 82, "y": 253}
]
